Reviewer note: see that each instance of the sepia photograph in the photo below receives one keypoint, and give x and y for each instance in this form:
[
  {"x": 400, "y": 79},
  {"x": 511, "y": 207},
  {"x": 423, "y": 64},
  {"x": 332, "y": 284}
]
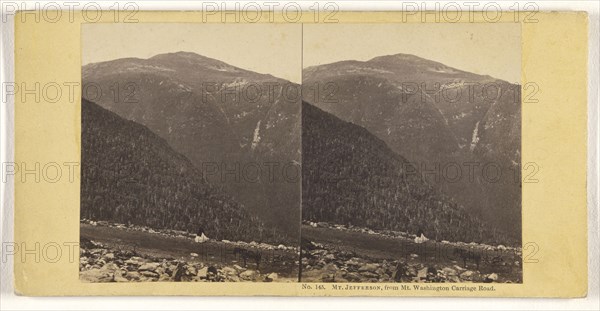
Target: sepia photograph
[
  {"x": 190, "y": 150},
  {"x": 411, "y": 153},
  {"x": 283, "y": 155}
]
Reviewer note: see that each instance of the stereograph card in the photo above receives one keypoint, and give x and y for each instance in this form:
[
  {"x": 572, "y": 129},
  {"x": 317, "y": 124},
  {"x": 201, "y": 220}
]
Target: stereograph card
[{"x": 360, "y": 154}]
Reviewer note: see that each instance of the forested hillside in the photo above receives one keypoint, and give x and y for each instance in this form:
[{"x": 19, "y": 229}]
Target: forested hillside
[
  {"x": 130, "y": 175},
  {"x": 351, "y": 177}
]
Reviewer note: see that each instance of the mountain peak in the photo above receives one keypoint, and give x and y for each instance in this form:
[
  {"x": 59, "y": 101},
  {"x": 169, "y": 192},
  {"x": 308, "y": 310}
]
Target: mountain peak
[
  {"x": 402, "y": 58},
  {"x": 397, "y": 57},
  {"x": 184, "y": 55}
]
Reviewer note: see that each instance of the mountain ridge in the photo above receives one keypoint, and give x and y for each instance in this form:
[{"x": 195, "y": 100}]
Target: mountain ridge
[
  {"x": 207, "y": 111},
  {"x": 407, "y": 102}
]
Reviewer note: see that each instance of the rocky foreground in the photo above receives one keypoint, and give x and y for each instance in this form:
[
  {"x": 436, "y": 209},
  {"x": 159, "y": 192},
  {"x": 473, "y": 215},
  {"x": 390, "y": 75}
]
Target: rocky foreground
[
  {"x": 99, "y": 263},
  {"x": 320, "y": 264}
]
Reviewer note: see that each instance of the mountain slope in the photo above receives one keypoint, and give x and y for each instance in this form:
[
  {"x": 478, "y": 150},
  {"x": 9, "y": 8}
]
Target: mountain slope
[
  {"x": 351, "y": 177},
  {"x": 130, "y": 175},
  {"x": 228, "y": 121},
  {"x": 439, "y": 118}
]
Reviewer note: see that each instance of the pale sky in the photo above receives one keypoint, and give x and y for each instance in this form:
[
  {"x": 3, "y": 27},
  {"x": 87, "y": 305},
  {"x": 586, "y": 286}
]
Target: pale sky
[
  {"x": 274, "y": 49},
  {"x": 484, "y": 48}
]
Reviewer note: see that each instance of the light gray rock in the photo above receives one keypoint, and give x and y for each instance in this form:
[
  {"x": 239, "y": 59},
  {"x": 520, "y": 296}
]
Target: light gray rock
[
  {"x": 239, "y": 268},
  {"x": 192, "y": 270},
  {"x": 249, "y": 275},
  {"x": 135, "y": 261},
  {"x": 422, "y": 274},
  {"x": 467, "y": 274},
  {"x": 492, "y": 277},
  {"x": 272, "y": 276},
  {"x": 449, "y": 271},
  {"x": 149, "y": 274},
  {"x": 96, "y": 275},
  {"x": 151, "y": 266},
  {"x": 202, "y": 273},
  {"x": 459, "y": 268},
  {"x": 228, "y": 271},
  {"x": 371, "y": 267},
  {"x": 353, "y": 277}
]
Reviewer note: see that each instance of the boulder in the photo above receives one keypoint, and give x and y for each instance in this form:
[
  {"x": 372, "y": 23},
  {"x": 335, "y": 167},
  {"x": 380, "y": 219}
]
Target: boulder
[
  {"x": 330, "y": 268},
  {"x": 271, "y": 277},
  {"x": 328, "y": 277},
  {"x": 493, "y": 277},
  {"x": 412, "y": 271},
  {"x": 149, "y": 274},
  {"x": 422, "y": 274},
  {"x": 202, "y": 273},
  {"x": 454, "y": 279},
  {"x": 96, "y": 275},
  {"x": 135, "y": 261},
  {"x": 370, "y": 275},
  {"x": 353, "y": 277},
  {"x": 192, "y": 270},
  {"x": 228, "y": 271},
  {"x": 459, "y": 268},
  {"x": 239, "y": 268},
  {"x": 151, "y": 266},
  {"x": 370, "y": 267},
  {"x": 467, "y": 275},
  {"x": 133, "y": 275},
  {"x": 449, "y": 271},
  {"x": 248, "y": 275}
]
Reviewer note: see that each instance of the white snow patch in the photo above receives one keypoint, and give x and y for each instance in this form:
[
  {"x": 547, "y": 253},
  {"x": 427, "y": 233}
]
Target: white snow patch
[
  {"x": 223, "y": 68},
  {"x": 356, "y": 69},
  {"x": 256, "y": 138},
  {"x": 442, "y": 70},
  {"x": 475, "y": 138},
  {"x": 236, "y": 83},
  {"x": 145, "y": 68},
  {"x": 452, "y": 85}
]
